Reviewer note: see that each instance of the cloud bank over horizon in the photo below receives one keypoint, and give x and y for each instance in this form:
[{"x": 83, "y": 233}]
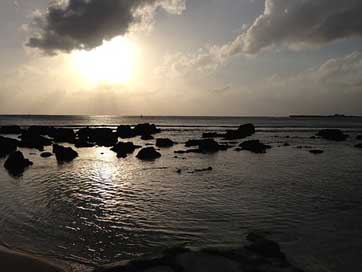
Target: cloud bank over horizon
[{"x": 84, "y": 24}]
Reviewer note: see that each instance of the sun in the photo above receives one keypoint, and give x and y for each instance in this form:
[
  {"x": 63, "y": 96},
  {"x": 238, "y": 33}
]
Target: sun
[{"x": 111, "y": 63}]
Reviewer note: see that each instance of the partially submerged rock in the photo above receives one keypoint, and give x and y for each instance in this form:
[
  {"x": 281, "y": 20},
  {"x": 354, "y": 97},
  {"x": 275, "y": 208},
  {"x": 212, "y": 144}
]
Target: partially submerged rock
[
  {"x": 316, "y": 151},
  {"x": 242, "y": 132},
  {"x": 254, "y": 146},
  {"x": 125, "y": 131},
  {"x": 7, "y": 145},
  {"x": 16, "y": 163},
  {"x": 146, "y": 129},
  {"x": 204, "y": 146},
  {"x": 358, "y": 145},
  {"x": 31, "y": 139},
  {"x": 359, "y": 137},
  {"x": 123, "y": 149},
  {"x": 261, "y": 255},
  {"x": 332, "y": 134},
  {"x": 46, "y": 154},
  {"x": 164, "y": 142},
  {"x": 64, "y": 154},
  {"x": 148, "y": 153},
  {"x": 10, "y": 130}
]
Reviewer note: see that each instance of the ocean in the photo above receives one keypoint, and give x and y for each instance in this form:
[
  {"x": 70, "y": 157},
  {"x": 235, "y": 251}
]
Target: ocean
[{"x": 100, "y": 209}]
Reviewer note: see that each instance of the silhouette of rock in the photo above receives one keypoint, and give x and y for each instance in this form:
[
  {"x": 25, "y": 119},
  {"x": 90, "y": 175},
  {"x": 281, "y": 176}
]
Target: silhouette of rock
[
  {"x": 147, "y": 137},
  {"x": 99, "y": 136},
  {"x": 261, "y": 254},
  {"x": 123, "y": 149},
  {"x": 316, "y": 151},
  {"x": 254, "y": 146},
  {"x": 358, "y": 145},
  {"x": 204, "y": 146},
  {"x": 46, "y": 154},
  {"x": 203, "y": 169},
  {"x": 16, "y": 163},
  {"x": 146, "y": 129},
  {"x": 7, "y": 145},
  {"x": 359, "y": 137},
  {"x": 242, "y": 132},
  {"x": 64, "y": 135},
  {"x": 148, "y": 153},
  {"x": 32, "y": 139},
  {"x": 81, "y": 143},
  {"x": 125, "y": 131},
  {"x": 64, "y": 154},
  {"x": 10, "y": 130},
  {"x": 332, "y": 134},
  {"x": 164, "y": 142},
  {"x": 212, "y": 135}
]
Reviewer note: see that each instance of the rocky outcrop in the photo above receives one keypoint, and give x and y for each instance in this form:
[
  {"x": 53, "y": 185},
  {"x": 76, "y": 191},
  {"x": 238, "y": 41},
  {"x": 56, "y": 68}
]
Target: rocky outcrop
[
  {"x": 123, "y": 149},
  {"x": 164, "y": 142},
  {"x": 10, "y": 130},
  {"x": 260, "y": 254},
  {"x": 99, "y": 136},
  {"x": 146, "y": 129},
  {"x": 125, "y": 131},
  {"x": 16, "y": 163},
  {"x": 148, "y": 153},
  {"x": 63, "y": 135},
  {"x": 204, "y": 146},
  {"x": 242, "y": 132},
  {"x": 64, "y": 154},
  {"x": 32, "y": 139},
  {"x": 7, "y": 145},
  {"x": 332, "y": 134},
  {"x": 254, "y": 146}
]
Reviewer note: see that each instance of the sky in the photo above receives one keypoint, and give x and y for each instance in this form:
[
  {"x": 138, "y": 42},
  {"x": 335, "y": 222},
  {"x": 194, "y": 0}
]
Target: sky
[{"x": 181, "y": 57}]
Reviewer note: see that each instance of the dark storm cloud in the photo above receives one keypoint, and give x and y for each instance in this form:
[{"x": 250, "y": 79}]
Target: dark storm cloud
[
  {"x": 84, "y": 24},
  {"x": 308, "y": 22}
]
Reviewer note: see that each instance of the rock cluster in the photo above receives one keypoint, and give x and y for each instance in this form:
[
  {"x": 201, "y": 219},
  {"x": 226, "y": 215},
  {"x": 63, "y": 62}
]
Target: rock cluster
[
  {"x": 254, "y": 146},
  {"x": 241, "y": 132},
  {"x": 259, "y": 255},
  {"x": 332, "y": 134}
]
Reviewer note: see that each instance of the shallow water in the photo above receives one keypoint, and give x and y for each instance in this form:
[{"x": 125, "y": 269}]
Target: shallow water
[{"x": 100, "y": 209}]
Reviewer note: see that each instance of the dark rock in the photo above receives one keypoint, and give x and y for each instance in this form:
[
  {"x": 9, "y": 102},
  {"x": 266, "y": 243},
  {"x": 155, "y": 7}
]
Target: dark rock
[
  {"x": 204, "y": 146},
  {"x": 123, "y": 149},
  {"x": 313, "y": 137},
  {"x": 191, "y": 143},
  {"x": 99, "y": 136},
  {"x": 263, "y": 246},
  {"x": 286, "y": 144},
  {"x": 358, "y": 145},
  {"x": 125, "y": 131},
  {"x": 16, "y": 163},
  {"x": 146, "y": 129},
  {"x": 147, "y": 137},
  {"x": 10, "y": 130},
  {"x": 64, "y": 154},
  {"x": 332, "y": 134},
  {"x": 242, "y": 132},
  {"x": 32, "y": 139},
  {"x": 63, "y": 135},
  {"x": 164, "y": 142},
  {"x": 148, "y": 153},
  {"x": 359, "y": 137},
  {"x": 203, "y": 169},
  {"x": 46, "y": 154},
  {"x": 81, "y": 143},
  {"x": 316, "y": 151},
  {"x": 7, "y": 145},
  {"x": 254, "y": 146},
  {"x": 178, "y": 171}
]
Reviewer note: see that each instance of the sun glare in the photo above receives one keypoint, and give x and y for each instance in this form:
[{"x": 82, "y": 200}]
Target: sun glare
[{"x": 112, "y": 63}]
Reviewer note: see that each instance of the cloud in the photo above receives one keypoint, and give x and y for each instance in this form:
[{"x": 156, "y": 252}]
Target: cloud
[
  {"x": 291, "y": 23},
  {"x": 85, "y": 24}
]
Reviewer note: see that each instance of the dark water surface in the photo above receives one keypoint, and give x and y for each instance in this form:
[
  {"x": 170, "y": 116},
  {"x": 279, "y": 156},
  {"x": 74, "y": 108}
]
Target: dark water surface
[{"x": 100, "y": 209}]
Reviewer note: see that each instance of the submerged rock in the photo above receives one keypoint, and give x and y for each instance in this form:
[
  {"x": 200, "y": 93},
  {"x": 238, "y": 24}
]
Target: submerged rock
[
  {"x": 358, "y": 145},
  {"x": 332, "y": 134},
  {"x": 64, "y": 154},
  {"x": 148, "y": 153},
  {"x": 164, "y": 142},
  {"x": 123, "y": 149},
  {"x": 254, "y": 146},
  {"x": 316, "y": 151},
  {"x": 16, "y": 163},
  {"x": 7, "y": 145}
]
